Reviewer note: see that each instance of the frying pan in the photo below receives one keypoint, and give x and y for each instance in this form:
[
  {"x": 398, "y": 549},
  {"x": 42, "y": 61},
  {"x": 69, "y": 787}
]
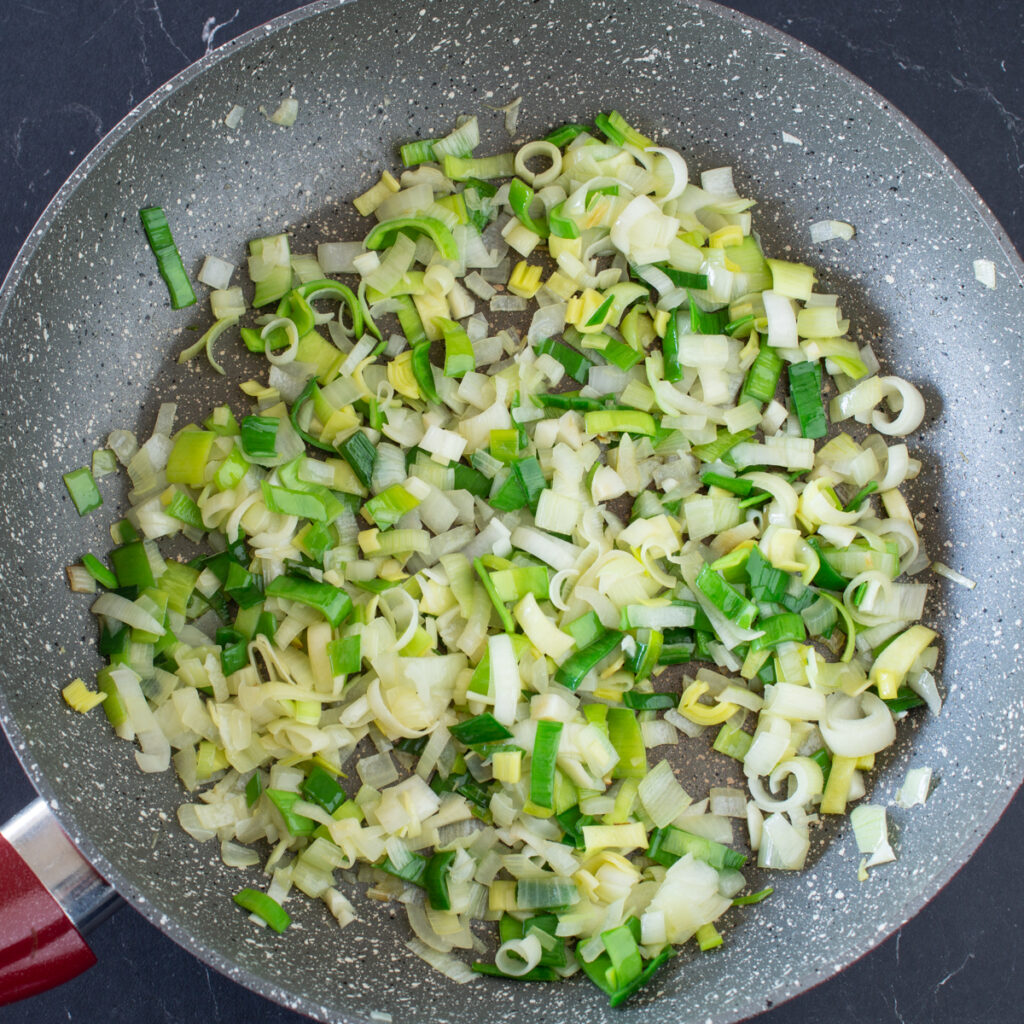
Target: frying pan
[{"x": 96, "y": 357}]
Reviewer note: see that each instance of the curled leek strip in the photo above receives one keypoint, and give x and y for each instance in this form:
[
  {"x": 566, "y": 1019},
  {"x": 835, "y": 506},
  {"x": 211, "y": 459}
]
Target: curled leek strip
[
  {"x": 289, "y": 354},
  {"x": 207, "y": 340},
  {"x": 531, "y": 151}
]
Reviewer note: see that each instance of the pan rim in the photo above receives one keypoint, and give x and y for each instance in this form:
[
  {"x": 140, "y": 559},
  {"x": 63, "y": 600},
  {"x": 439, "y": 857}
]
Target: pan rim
[{"x": 902, "y": 911}]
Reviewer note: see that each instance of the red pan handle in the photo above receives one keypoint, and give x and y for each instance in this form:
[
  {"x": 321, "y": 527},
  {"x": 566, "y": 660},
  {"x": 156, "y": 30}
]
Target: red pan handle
[{"x": 48, "y": 892}]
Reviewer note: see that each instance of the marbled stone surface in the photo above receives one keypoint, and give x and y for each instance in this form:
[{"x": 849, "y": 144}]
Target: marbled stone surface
[{"x": 71, "y": 71}]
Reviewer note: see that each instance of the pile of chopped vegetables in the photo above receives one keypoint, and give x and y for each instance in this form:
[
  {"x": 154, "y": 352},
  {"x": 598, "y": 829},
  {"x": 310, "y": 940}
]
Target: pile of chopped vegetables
[{"x": 461, "y": 591}]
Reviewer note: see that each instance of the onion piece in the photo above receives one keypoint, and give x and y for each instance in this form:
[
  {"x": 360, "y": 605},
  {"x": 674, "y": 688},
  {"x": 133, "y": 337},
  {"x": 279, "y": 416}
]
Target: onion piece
[
  {"x": 215, "y": 272},
  {"x": 677, "y": 170},
  {"x": 911, "y": 408},
  {"x": 533, "y": 150},
  {"x": 825, "y": 230},
  {"x": 857, "y": 727},
  {"x": 985, "y": 272}
]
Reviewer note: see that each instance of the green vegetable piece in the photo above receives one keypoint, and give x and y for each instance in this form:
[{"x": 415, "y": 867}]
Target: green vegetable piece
[
  {"x": 234, "y": 650},
  {"x": 168, "y": 259},
  {"x": 515, "y": 584},
  {"x": 705, "y": 321},
  {"x": 723, "y": 443},
  {"x": 509, "y": 494},
  {"x": 560, "y": 225},
  {"x": 778, "y": 629},
  {"x": 625, "y": 736},
  {"x": 132, "y": 566},
  {"x": 259, "y": 436},
  {"x": 618, "y": 997},
  {"x": 469, "y": 479},
  {"x": 905, "y": 700},
  {"x": 737, "y": 485},
  {"x": 763, "y": 376},
  {"x": 262, "y": 905},
  {"x": 738, "y": 327},
  {"x": 418, "y": 152},
  {"x": 546, "y": 893},
  {"x": 649, "y": 701},
  {"x": 826, "y": 576},
  {"x": 574, "y": 669},
  {"x": 114, "y": 706},
  {"x": 624, "y": 954},
  {"x": 520, "y": 197},
  {"x": 321, "y": 788},
  {"x": 563, "y": 136},
  {"x": 293, "y": 503},
  {"x": 752, "y": 898},
  {"x": 504, "y": 445},
  {"x": 325, "y": 288},
  {"x": 458, "y": 349},
  {"x": 423, "y": 372},
  {"x": 483, "y": 728},
  {"x": 83, "y": 490},
  {"x": 805, "y": 394},
  {"x": 383, "y": 235},
  {"x": 824, "y": 761},
  {"x": 435, "y": 879},
  {"x": 668, "y": 844},
  {"x": 99, "y": 572},
  {"x": 358, "y": 451},
  {"x": 253, "y": 789},
  {"x": 334, "y": 604},
  {"x": 567, "y": 400},
  {"x": 732, "y": 741},
  {"x": 575, "y": 363},
  {"x": 414, "y": 870},
  {"x": 854, "y": 504},
  {"x": 297, "y": 824},
  {"x": 684, "y": 278},
  {"x": 585, "y": 630},
  {"x": 230, "y": 471},
  {"x": 308, "y": 392},
  {"x": 345, "y": 655},
  {"x": 386, "y": 508},
  {"x": 531, "y": 478},
  {"x": 624, "y": 421},
  {"x": 729, "y": 601},
  {"x": 542, "y": 766},
  {"x": 766, "y": 582}
]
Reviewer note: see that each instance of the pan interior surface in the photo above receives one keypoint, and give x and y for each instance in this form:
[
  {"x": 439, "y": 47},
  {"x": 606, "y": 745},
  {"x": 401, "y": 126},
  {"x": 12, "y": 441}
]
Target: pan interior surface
[{"x": 90, "y": 344}]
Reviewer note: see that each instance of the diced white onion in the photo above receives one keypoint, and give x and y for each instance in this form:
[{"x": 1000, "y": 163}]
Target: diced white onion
[
  {"x": 216, "y": 273},
  {"x": 985, "y": 272},
  {"x": 824, "y": 230}
]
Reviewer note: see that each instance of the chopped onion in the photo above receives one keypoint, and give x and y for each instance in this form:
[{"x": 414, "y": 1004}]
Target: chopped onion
[
  {"x": 857, "y": 727},
  {"x": 870, "y": 829},
  {"x": 941, "y": 569},
  {"x": 216, "y": 273},
  {"x": 285, "y": 114},
  {"x": 824, "y": 230},
  {"x": 915, "y": 787},
  {"x": 985, "y": 272}
]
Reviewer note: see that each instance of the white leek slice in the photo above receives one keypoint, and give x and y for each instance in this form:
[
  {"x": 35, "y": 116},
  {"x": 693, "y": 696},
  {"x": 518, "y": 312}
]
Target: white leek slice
[
  {"x": 871, "y": 831},
  {"x": 915, "y": 787},
  {"x": 824, "y": 230},
  {"x": 985, "y": 272},
  {"x": 857, "y": 727}
]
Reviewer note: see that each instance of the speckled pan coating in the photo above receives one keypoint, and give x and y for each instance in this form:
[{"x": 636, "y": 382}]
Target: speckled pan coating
[{"x": 89, "y": 344}]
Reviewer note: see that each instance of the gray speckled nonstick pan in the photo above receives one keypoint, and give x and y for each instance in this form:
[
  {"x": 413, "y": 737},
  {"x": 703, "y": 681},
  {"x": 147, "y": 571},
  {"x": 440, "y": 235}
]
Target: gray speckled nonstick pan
[{"x": 89, "y": 344}]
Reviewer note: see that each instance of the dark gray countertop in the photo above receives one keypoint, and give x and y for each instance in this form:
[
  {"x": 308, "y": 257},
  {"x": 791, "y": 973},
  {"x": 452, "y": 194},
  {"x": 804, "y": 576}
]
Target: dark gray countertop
[{"x": 70, "y": 71}]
